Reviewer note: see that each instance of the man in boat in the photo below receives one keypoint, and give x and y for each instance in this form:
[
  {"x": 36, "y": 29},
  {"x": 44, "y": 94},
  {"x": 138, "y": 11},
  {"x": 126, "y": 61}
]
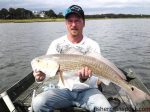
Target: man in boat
[{"x": 82, "y": 94}]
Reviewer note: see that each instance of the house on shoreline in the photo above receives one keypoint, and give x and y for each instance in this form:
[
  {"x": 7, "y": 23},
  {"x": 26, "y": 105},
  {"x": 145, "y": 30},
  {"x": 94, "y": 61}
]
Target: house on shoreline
[{"x": 40, "y": 14}]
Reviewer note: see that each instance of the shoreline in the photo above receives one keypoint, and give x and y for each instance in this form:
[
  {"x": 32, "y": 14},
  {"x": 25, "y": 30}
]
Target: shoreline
[
  {"x": 30, "y": 20},
  {"x": 51, "y": 20}
]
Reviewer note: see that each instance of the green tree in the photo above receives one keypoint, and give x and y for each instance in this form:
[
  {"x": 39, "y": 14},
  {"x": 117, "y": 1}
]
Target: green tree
[
  {"x": 50, "y": 14},
  {"x": 60, "y": 15},
  {"x": 19, "y": 13},
  {"x": 22, "y": 13},
  {"x": 28, "y": 14},
  {"x": 12, "y": 13},
  {"x": 4, "y": 13}
]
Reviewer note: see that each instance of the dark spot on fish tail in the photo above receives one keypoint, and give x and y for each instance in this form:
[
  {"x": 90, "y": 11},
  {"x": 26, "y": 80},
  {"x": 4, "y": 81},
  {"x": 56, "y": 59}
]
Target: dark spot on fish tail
[
  {"x": 38, "y": 60},
  {"x": 132, "y": 88},
  {"x": 126, "y": 74},
  {"x": 58, "y": 71}
]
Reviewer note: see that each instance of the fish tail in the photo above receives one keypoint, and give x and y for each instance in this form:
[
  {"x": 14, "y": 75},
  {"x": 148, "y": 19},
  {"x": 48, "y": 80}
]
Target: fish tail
[{"x": 138, "y": 95}]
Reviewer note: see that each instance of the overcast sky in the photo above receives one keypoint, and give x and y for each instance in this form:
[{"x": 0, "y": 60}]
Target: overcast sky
[{"x": 89, "y": 6}]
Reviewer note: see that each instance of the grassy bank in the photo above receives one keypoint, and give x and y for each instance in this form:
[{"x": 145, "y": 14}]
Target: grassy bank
[
  {"x": 29, "y": 20},
  {"x": 51, "y": 20},
  {"x": 37, "y": 20}
]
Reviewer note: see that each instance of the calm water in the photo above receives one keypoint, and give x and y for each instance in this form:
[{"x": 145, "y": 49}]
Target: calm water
[{"x": 126, "y": 42}]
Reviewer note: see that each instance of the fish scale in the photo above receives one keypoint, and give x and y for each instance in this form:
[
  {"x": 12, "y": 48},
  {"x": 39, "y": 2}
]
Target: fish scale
[{"x": 100, "y": 66}]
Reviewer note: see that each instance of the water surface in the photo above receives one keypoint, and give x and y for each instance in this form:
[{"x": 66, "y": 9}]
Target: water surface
[{"x": 125, "y": 42}]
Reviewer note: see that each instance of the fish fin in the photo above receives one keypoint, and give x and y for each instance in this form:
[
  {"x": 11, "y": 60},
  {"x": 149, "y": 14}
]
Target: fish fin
[
  {"x": 128, "y": 78},
  {"x": 61, "y": 77},
  {"x": 94, "y": 55},
  {"x": 105, "y": 81},
  {"x": 137, "y": 95}
]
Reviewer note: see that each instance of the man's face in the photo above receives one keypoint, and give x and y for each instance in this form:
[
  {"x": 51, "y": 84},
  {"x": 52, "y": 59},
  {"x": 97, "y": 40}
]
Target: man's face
[{"x": 75, "y": 25}]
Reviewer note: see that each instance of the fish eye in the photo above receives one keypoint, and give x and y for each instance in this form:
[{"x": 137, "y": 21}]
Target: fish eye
[{"x": 132, "y": 88}]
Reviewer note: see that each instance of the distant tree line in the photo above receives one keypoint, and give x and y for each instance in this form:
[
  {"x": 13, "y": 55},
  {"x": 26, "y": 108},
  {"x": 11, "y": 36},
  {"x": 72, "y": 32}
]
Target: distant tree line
[
  {"x": 118, "y": 16},
  {"x": 21, "y": 13}
]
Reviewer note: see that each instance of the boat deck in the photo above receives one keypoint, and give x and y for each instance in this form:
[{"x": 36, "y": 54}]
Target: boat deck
[
  {"x": 21, "y": 95},
  {"x": 111, "y": 91}
]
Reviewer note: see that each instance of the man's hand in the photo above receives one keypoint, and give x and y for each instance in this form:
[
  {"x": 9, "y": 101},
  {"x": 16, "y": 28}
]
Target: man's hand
[
  {"x": 84, "y": 73},
  {"x": 39, "y": 76}
]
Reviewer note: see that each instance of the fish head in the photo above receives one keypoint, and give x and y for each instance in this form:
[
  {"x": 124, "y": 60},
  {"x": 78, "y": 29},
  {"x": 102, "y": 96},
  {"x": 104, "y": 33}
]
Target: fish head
[{"x": 45, "y": 65}]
